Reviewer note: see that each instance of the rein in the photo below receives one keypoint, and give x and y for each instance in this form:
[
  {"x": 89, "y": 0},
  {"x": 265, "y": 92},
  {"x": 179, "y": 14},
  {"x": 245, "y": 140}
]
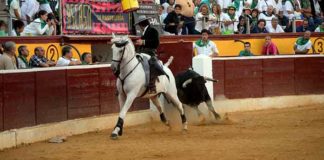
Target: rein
[{"x": 120, "y": 68}]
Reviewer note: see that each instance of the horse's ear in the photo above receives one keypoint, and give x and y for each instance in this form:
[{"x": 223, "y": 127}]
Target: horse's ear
[{"x": 113, "y": 35}]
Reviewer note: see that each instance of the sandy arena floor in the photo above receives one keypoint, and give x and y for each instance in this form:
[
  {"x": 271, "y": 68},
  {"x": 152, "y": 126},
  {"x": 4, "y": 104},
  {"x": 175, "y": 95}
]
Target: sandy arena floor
[{"x": 277, "y": 134}]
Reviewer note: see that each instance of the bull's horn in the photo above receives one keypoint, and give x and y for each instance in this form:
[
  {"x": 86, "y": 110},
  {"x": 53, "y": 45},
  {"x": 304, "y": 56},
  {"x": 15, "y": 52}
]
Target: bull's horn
[
  {"x": 184, "y": 84},
  {"x": 210, "y": 79},
  {"x": 169, "y": 61}
]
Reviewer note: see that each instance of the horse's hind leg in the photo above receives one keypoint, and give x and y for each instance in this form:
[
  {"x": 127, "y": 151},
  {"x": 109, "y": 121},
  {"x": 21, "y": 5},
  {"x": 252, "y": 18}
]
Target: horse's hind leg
[
  {"x": 175, "y": 100},
  {"x": 211, "y": 109},
  {"x": 126, "y": 104},
  {"x": 158, "y": 105}
]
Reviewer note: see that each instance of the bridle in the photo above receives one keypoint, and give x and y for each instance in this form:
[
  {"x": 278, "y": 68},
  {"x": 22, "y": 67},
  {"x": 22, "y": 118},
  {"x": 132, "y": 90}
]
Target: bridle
[{"x": 117, "y": 72}]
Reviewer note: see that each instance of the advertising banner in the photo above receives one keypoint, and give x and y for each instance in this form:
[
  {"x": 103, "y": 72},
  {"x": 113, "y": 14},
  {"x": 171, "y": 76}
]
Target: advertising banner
[{"x": 94, "y": 17}]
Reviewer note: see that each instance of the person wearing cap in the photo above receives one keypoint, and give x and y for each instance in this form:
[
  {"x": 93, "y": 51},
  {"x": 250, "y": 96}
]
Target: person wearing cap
[
  {"x": 231, "y": 21},
  {"x": 148, "y": 44},
  {"x": 240, "y": 4},
  {"x": 204, "y": 46}
]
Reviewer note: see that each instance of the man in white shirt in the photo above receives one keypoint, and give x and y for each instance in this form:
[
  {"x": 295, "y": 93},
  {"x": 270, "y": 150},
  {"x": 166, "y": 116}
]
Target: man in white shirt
[
  {"x": 66, "y": 59},
  {"x": 274, "y": 27},
  {"x": 288, "y": 9},
  {"x": 204, "y": 46},
  {"x": 28, "y": 10},
  {"x": 303, "y": 44},
  {"x": 14, "y": 10},
  {"x": 264, "y": 4},
  {"x": 268, "y": 15}
]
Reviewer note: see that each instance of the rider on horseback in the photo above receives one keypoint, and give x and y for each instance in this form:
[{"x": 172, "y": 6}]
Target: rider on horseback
[{"x": 148, "y": 44}]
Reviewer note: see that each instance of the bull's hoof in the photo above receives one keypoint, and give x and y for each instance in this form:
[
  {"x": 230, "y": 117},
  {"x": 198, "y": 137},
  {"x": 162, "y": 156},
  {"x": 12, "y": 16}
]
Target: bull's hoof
[{"x": 114, "y": 136}]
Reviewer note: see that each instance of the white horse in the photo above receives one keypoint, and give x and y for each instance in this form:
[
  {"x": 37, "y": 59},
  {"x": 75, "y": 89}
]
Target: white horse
[{"x": 131, "y": 83}]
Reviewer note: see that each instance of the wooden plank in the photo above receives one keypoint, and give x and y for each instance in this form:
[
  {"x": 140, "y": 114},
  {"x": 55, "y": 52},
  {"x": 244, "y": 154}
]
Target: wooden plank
[
  {"x": 219, "y": 74},
  {"x": 278, "y": 77},
  {"x": 83, "y": 93},
  {"x": 182, "y": 53},
  {"x": 1, "y": 103},
  {"x": 243, "y": 78},
  {"x": 51, "y": 100},
  {"x": 308, "y": 75},
  {"x": 108, "y": 98},
  {"x": 19, "y": 100}
]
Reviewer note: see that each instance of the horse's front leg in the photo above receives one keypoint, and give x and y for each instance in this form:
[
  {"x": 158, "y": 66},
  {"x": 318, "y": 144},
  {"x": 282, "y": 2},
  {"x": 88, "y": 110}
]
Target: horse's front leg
[
  {"x": 127, "y": 102},
  {"x": 158, "y": 105}
]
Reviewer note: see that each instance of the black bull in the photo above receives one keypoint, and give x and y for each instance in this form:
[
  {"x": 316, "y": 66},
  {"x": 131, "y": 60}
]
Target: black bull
[{"x": 192, "y": 90}]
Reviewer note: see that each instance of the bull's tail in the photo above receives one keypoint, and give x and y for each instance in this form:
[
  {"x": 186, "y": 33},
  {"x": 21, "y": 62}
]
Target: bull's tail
[{"x": 169, "y": 61}]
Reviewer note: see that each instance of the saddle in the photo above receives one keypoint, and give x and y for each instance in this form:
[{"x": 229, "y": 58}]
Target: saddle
[{"x": 152, "y": 69}]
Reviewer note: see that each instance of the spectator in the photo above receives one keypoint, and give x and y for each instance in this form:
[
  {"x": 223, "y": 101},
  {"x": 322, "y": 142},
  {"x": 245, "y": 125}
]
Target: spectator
[
  {"x": 29, "y": 8},
  {"x": 283, "y": 21},
  {"x": 231, "y": 21},
  {"x": 240, "y": 4},
  {"x": 255, "y": 17},
  {"x": 247, "y": 13},
  {"x": 204, "y": 46},
  {"x": 174, "y": 21},
  {"x": 260, "y": 28},
  {"x": 202, "y": 19},
  {"x": 247, "y": 50},
  {"x": 278, "y": 7},
  {"x": 66, "y": 59},
  {"x": 14, "y": 9},
  {"x": 268, "y": 15},
  {"x": 304, "y": 27},
  {"x": 23, "y": 53},
  {"x": 254, "y": 4},
  {"x": 39, "y": 60},
  {"x": 216, "y": 19},
  {"x": 225, "y": 4},
  {"x": 3, "y": 28},
  {"x": 8, "y": 59},
  {"x": 303, "y": 44},
  {"x": 306, "y": 9},
  {"x": 40, "y": 26},
  {"x": 320, "y": 28},
  {"x": 288, "y": 8},
  {"x": 44, "y": 5},
  {"x": 162, "y": 15},
  {"x": 269, "y": 48},
  {"x": 264, "y": 4},
  {"x": 86, "y": 58},
  {"x": 18, "y": 28},
  {"x": 241, "y": 27},
  {"x": 274, "y": 27},
  {"x": 168, "y": 4}
]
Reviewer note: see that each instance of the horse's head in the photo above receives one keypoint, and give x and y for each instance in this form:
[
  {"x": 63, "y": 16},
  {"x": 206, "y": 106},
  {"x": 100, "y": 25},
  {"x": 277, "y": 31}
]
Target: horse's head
[{"x": 122, "y": 49}]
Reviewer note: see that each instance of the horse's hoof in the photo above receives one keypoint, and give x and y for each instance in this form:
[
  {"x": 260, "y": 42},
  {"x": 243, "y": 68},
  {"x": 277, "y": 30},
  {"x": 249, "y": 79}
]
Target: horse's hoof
[
  {"x": 202, "y": 119},
  {"x": 114, "y": 136}
]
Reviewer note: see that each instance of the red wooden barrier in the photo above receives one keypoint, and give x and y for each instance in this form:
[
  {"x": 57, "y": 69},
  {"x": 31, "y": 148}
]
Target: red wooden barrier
[
  {"x": 278, "y": 77},
  {"x": 243, "y": 78},
  {"x": 19, "y": 100},
  {"x": 51, "y": 98},
  {"x": 309, "y": 75},
  {"x": 1, "y": 103},
  {"x": 108, "y": 99},
  {"x": 83, "y": 93},
  {"x": 219, "y": 74}
]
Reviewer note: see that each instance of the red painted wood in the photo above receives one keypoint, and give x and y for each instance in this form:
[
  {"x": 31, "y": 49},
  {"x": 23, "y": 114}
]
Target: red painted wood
[
  {"x": 182, "y": 53},
  {"x": 243, "y": 78},
  {"x": 1, "y": 103},
  {"x": 219, "y": 74},
  {"x": 19, "y": 100},
  {"x": 309, "y": 75},
  {"x": 83, "y": 93},
  {"x": 51, "y": 100},
  {"x": 140, "y": 104},
  {"x": 278, "y": 77},
  {"x": 108, "y": 99}
]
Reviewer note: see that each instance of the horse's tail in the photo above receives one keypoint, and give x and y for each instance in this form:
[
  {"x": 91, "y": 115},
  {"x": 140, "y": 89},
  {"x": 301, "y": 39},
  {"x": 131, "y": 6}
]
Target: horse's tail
[{"x": 169, "y": 61}]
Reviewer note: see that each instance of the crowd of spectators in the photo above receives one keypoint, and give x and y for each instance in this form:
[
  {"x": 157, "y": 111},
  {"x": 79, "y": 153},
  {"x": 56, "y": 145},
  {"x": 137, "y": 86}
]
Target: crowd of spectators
[
  {"x": 242, "y": 16},
  {"x": 9, "y": 60},
  {"x": 31, "y": 18}
]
